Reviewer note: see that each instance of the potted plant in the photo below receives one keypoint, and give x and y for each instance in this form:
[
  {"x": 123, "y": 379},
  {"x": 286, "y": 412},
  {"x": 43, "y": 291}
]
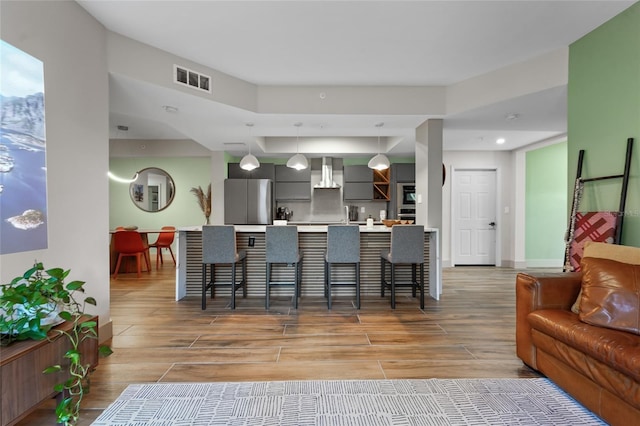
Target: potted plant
[
  {"x": 204, "y": 201},
  {"x": 30, "y": 306}
]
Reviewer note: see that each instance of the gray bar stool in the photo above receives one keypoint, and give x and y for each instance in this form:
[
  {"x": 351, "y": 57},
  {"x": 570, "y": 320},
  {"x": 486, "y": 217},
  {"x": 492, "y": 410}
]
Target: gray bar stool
[
  {"x": 407, "y": 248},
  {"x": 282, "y": 249},
  {"x": 343, "y": 247},
  {"x": 219, "y": 248}
]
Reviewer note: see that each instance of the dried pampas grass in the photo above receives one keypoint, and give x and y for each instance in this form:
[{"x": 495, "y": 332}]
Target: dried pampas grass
[{"x": 204, "y": 200}]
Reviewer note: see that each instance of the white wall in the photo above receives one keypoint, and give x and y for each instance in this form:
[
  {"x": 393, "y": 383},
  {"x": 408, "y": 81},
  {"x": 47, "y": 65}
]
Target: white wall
[
  {"x": 142, "y": 62},
  {"x": 502, "y": 162},
  {"x": 532, "y": 76},
  {"x": 72, "y": 46}
]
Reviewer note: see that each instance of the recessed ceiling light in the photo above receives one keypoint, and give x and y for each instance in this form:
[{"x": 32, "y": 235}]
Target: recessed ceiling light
[{"x": 500, "y": 141}]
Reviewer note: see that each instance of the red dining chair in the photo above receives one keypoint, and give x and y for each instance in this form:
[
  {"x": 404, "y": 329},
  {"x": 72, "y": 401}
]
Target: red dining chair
[
  {"x": 164, "y": 241},
  {"x": 130, "y": 244}
]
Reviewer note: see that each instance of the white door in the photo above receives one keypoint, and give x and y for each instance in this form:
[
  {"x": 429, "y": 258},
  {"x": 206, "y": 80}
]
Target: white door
[{"x": 474, "y": 217}]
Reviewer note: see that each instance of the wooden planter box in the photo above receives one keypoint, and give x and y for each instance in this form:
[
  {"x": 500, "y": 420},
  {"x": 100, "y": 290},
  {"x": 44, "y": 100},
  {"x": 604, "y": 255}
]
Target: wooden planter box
[{"x": 24, "y": 385}]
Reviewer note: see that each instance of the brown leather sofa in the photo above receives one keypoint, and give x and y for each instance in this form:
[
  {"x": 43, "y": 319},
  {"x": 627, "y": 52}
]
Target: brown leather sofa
[{"x": 597, "y": 365}]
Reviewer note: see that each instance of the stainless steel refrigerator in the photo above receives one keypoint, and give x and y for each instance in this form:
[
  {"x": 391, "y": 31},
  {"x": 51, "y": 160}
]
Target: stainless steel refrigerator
[{"x": 248, "y": 202}]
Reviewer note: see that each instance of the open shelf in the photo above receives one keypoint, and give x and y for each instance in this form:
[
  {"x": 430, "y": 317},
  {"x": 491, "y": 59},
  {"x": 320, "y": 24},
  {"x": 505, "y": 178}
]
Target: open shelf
[{"x": 381, "y": 185}]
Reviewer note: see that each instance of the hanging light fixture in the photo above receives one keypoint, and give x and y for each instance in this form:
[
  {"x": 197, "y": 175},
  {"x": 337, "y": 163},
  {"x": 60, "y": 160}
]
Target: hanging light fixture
[
  {"x": 298, "y": 161},
  {"x": 249, "y": 161},
  {"x": 112, "y": 176},
  {"x": 122, "y": 180},
  {"x": 380, "y": 161}
]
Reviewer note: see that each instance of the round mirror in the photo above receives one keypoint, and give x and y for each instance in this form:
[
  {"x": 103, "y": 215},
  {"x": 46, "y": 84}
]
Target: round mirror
[{"x": 153, "y": 190}]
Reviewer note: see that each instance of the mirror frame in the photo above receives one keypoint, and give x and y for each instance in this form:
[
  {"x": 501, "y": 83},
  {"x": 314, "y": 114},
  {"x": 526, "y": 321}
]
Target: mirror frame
[{"x": 171, "y": 183}]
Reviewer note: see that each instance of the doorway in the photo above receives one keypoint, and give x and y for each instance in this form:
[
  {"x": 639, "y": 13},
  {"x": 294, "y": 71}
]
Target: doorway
[{"x": 473, "y": 222}]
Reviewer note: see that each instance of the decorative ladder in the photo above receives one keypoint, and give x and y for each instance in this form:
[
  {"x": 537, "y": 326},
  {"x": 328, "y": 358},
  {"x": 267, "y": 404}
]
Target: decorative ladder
[{"x": 594, "y": 226}]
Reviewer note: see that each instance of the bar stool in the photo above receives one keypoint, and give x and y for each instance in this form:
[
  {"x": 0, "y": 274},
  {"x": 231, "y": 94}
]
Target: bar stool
[
  {"x": 407, "y": 248},
  {"x": 343, "y": 247},
  {"x": 219, "y": 248},
  {"x": 282, "y": 249}
]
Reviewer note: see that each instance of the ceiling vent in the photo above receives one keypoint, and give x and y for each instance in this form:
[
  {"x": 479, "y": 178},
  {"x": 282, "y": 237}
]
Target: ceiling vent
[{"x": 186, "y": 77}]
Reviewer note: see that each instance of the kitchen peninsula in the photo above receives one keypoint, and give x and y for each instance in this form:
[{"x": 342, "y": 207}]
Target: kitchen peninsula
[{"x": 312, "y": 241}]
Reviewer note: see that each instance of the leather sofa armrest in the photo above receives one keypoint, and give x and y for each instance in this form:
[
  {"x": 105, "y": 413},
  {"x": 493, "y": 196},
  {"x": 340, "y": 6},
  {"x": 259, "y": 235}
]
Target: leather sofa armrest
[{"x": 541, "y": 291}]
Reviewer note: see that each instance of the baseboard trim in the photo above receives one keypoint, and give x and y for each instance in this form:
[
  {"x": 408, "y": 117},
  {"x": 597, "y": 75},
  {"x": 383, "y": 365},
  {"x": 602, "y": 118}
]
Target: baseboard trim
[
  {"x": 544, "y": 263},
  {"x": 105, "y": 331},
  {"x": 506, "y": 263}
]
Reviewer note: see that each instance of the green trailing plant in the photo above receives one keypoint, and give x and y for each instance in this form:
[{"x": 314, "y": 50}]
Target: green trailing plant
[{"x": 31, "y": 305}]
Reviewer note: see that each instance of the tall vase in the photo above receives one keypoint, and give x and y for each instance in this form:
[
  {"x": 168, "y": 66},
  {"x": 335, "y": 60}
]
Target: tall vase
[{"x": 206, "y": 220}]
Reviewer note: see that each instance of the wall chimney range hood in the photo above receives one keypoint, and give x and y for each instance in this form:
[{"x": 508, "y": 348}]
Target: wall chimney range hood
[{"x": 326, "y": 180}]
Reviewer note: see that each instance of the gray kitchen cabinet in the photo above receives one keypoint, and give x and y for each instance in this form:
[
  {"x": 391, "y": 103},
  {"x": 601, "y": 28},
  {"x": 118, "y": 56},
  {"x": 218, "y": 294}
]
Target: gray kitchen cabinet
[
  {"x": 358, "y": 183},
  {"x": 287, "y": 174},
  {"x": 287, "y": 191},
  {"x": 357, "y": 191},
  {"x": 359, "y": 173},
  {"x": 235, "y": 172},
  {"x": 403, "y": 172},
  {"x": 265, "y": 171},
  {"x": 292, "y": 184}
]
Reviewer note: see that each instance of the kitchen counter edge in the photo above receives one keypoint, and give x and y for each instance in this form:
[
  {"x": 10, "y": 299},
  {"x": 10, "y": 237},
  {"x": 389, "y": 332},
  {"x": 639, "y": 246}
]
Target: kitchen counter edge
[{"x": 302, "y": 228}]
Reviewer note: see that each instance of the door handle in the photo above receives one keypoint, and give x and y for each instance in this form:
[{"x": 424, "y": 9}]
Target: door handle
[{"x": 492, "y": 224}]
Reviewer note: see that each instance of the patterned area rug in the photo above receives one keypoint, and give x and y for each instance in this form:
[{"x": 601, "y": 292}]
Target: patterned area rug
[{"x": 351, "y": 402}]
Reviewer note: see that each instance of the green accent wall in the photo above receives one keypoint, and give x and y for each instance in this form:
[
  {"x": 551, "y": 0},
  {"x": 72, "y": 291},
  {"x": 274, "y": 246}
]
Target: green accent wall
[
  {"x": 356, "y": 161},
  {"x": 546, "y": 203},
  {"x": 603, "y": 112},
  {"x": 187, "y": 172}
]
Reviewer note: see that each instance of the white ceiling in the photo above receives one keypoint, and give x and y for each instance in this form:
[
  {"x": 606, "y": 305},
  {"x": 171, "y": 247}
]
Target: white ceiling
[{"x": 339, "y": 43}]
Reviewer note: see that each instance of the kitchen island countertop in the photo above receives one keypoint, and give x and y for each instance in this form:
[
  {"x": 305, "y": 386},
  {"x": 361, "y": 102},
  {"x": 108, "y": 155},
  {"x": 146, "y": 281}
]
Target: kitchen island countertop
[
  {"x": 312, "y": 242},
  {"x": 302, "y": 228}
]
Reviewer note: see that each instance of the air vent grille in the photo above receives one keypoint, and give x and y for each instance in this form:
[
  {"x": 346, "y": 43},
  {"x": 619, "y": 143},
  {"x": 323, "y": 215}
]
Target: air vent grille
[{"x": 186, "y": 77}]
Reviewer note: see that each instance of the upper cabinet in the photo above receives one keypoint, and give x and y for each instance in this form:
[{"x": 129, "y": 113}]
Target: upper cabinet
[
  {"x": 361, "y": 173},
  {"x": 358, "y": 183},
  {"x": 403, "y": 172},
  {"x": 265, "y": 171},
  {"x": 287, "y": 174},
  {"x": 292, "y": 184}
]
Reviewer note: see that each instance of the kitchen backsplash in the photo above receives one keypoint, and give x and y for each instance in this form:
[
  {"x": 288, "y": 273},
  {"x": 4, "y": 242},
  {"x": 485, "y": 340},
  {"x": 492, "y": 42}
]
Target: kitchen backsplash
[
  {"x": 326, "y": 208},
  {"x": 327, "y": 205}
]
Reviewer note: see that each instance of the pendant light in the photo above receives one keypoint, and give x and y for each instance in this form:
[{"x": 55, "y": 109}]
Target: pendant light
[
  {"x": 249, "y": 162},
  {"x": 380, "y": 161},
  {"x": 298, "y": 161},
  {"x": 113, "y": 176}
]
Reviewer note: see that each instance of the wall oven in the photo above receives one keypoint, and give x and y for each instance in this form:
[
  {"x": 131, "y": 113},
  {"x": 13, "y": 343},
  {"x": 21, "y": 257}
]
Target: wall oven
[{"x": 406, "y": 201}]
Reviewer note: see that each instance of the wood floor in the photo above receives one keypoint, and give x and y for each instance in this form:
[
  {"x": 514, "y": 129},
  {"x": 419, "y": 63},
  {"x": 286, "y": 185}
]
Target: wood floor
[{"x": 469, "y": 333}]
